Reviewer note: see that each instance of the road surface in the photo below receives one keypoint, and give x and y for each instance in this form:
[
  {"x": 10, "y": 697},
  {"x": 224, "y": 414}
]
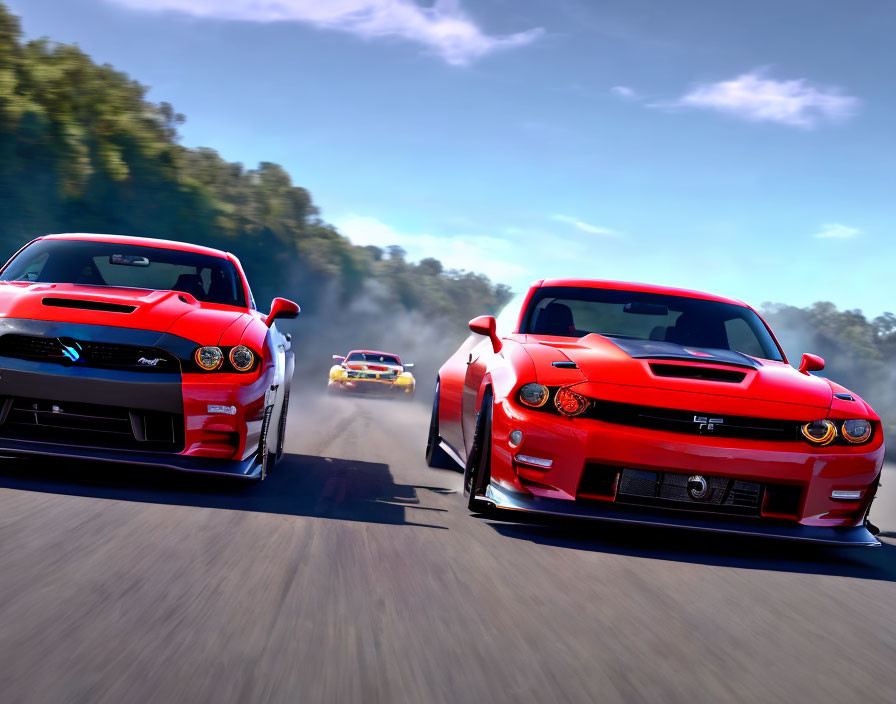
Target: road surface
[{"x": 355, "y": 574}]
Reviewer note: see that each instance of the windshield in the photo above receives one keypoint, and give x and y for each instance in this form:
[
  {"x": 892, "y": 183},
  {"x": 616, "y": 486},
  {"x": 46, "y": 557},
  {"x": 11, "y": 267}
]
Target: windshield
[
  {"x": 372, "y": 358},
  {"x": 88, "y": 263},
  {"x": 692, "y": 322}
]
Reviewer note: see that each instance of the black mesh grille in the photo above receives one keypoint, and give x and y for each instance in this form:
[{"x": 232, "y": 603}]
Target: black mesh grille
[
  {"x": 670, "y": 490},
  {"x": 89, "y": 354},
  {"x": 91, "y": 425}
]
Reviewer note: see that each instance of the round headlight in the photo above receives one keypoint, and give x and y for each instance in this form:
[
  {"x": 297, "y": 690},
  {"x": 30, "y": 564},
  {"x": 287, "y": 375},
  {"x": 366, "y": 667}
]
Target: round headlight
[
  {"x": 819, "y": 432},
  {"x": 242, "y": 358},
  {"x": 534, "y": 395},
  {"x": 209, "y": 358},
  {"x": 569, "y": 403},
  {"x": 856, "y": 431}
]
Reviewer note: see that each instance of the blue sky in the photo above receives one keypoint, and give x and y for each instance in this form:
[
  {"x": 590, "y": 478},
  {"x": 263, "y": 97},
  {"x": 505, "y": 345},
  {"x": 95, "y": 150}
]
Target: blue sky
[{"x": 747, "y": 149}]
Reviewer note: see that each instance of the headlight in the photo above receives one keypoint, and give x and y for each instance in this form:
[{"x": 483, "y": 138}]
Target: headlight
[
  {"x": 819, "y": 432},
  {"x": 209, "y": 358},
  {"x": 242, "y": 358},
  {"x": 856, "y": 431},
  {"x": 569, "y": 403},
  {"x": 534, "y": 395}
]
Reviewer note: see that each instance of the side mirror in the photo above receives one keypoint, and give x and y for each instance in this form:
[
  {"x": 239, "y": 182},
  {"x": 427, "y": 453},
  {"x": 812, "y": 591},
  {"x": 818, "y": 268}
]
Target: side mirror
[
  {"x": 339, "y": 359},
  {"x": 486, "y": 325},
  {"x": 408, "y": 366},
  {"x": 811, "y": 363},
  {"x": 282, "y": 309}
]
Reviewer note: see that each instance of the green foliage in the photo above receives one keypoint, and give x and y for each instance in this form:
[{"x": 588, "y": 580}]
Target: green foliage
[
  {"x": 82, "y": 150},
  {"x": 858, "y": 353}
]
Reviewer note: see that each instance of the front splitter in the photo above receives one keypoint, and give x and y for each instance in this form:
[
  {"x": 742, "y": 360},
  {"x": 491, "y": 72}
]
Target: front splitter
[
  {"x": 242, "y": 469},
  {"x": 857, "y": 536}
]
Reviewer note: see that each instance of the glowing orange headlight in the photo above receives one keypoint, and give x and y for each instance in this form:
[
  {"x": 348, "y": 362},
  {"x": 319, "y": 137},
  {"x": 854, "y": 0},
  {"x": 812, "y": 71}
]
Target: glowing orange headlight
[
  {"x": 819, "y": 432},
  {"x": 569, "y": 403}
]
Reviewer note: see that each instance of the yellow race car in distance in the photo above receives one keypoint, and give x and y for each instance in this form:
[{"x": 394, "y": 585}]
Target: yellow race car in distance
[{"x": 371, "y": 372}]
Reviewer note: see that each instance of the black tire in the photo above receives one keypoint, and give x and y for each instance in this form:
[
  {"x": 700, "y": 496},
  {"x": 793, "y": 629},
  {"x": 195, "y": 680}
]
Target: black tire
[
  {"x": 267, "y": 458},
  {"x": 281, "y": 429},
  {"x": 477, "y": 473},
  {"x": 435, "y": 455}
]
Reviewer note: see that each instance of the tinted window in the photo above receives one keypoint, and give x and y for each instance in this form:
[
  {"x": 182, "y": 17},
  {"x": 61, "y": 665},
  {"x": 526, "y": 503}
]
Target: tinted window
[
  {"x": 208, "y": 278},
  {"x": 692, "y": 322},
  {"x": 372, "y": 358}
]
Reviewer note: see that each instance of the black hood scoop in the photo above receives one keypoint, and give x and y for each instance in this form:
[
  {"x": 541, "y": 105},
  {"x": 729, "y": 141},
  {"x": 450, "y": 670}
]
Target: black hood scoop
[
  {"x": 82, "y": 304},
  {"x": 654, "y": 349}
]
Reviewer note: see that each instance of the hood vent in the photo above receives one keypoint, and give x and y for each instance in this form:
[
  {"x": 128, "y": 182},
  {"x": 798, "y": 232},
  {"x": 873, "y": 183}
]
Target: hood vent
[
  {"x": 81, "y": 304},
  {"x": 686, "y": 371}
]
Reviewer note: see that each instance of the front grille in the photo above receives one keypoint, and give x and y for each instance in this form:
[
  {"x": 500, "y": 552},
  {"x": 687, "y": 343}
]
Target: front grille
[
  {"x": 693, "y": 422},
  {"x": 670, "y": 490},
  {"x": 91, "y": 425},
  {"x": 370, "y": 375},
  {"x": 89, "y": 354}
]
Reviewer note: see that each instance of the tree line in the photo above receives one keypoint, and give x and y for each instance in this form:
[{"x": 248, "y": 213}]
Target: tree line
[{"x": 82, "y": 150}]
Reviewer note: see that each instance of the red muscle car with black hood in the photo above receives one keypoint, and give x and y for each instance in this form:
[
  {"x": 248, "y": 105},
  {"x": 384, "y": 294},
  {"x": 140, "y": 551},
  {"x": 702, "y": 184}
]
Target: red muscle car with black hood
[
  {"x": 644, "y": 404},
  {"x": 137, "y": 350}
]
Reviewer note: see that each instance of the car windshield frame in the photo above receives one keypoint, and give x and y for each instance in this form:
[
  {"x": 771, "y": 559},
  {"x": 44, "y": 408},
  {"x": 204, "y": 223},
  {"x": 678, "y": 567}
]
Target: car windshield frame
[
  {"x": 83, "y": 263},
  {"x": 649, "y": 304}
]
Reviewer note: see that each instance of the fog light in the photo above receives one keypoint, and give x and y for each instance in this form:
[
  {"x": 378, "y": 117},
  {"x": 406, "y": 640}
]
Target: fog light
[
  {"x": 844, "y": 495},
  {"x": 535, "y": 461},
  {"x": 222, "y": 410},
  {"x": 516, "y": 437}
]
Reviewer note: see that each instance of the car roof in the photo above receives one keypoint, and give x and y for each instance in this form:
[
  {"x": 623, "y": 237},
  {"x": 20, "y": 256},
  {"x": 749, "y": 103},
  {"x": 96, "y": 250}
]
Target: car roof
[
  {"x": 387, "y": 354},
  {"x": 138, "y": 241},
  {"x": 631, "y": 286}
]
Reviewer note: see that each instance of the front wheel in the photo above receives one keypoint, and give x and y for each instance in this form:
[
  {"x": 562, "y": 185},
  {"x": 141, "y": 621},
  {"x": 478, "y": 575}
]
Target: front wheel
[
  {"x": 435, "y": 455},
  {"x": 281, "y": 430},
  {"x": 477, "y": 473}
]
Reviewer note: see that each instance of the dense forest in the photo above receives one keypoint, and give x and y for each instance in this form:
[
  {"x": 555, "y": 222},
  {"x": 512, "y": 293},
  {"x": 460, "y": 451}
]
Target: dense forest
[{"x": 81, "y": 149}]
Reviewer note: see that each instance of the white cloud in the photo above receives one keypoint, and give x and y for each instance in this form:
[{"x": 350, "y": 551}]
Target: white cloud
[
  {"x": 586, "y": 227},
  {"x": 491, "y": 256},
  {"x": 755, "y": 97},
  {"x": 624, "y": 92},
  {"x": 834, "y": 230},
  {"x": 444, "y": 28}
]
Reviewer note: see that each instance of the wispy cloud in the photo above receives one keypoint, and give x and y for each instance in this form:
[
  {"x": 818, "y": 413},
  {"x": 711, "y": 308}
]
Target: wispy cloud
[
  {"x": 834, "y": 230},
  {"x": 624, "y": 92},
  {"x": 585, "y": 226},
  {"x": 443, "y": 28},
  {"x": 755, "y": 97},
  {"x": 489, "y": 255}
]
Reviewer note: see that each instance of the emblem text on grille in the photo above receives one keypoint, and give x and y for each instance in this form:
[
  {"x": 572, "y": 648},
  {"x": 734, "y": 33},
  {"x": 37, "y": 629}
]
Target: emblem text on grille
[
  {"x": 154, "y": 362},
  {"x": 705, "y": 424}
]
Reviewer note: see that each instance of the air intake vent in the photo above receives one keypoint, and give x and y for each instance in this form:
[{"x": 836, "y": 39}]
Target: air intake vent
[
  {"x": 82, "y": 304},
  {"x": 687, "y": 371}
]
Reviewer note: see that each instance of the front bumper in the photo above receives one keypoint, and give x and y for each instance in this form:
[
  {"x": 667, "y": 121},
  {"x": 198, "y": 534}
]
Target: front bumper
[
  {"x": 855, "y": 536},
  {"x": 577, "y": 448},
  {"x": 372, "y": 386},
  {"x": 157, "y": 418}
]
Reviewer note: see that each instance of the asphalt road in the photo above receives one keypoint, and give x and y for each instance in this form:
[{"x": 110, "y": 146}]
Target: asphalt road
[{"x": 355, "y": 574}]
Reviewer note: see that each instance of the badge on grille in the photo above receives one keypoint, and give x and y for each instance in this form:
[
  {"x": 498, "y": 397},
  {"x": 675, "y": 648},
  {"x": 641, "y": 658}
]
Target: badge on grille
[
  {"x": 705, "y": 424},
  {"x": 697, "y": 487}
]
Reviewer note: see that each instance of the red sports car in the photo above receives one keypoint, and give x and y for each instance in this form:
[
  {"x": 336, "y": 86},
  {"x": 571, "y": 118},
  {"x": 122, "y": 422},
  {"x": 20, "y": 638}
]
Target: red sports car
[
  {"x": 126, "y": 349},
  {"x": 644, "y": 404}
]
